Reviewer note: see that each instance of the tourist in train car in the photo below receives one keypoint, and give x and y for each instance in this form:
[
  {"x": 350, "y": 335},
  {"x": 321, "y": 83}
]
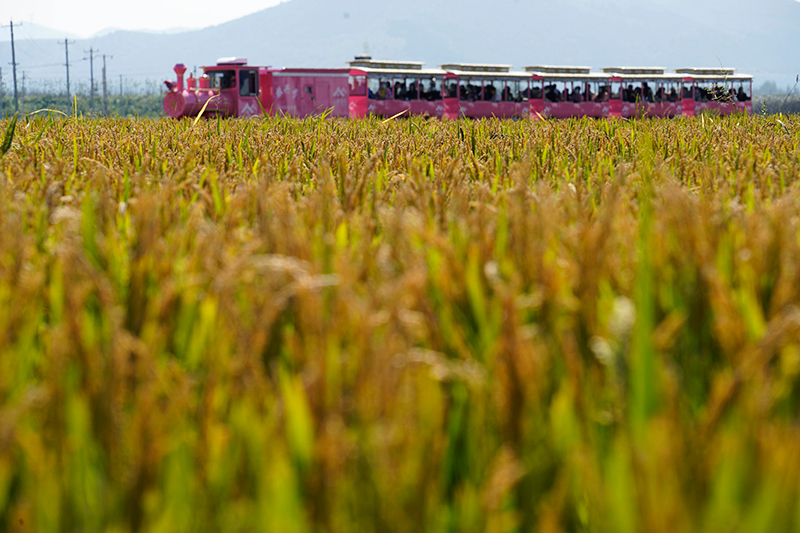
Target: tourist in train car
[
  {"x": 602, "y": 94},
  {"x": 528, "y": 93},
  {"x": 673, "y": 95},
  {"x": 741, "y": 95},
  {"x": 576, "y": 97},
  {"x": 452, "y": 90},
  {"x": 412, "y": 90},
  {"x": 399, "y": 90},
  {"x": 589, "y": 94},
  {"x": 475, "y": 93},
  {"x": 434, "y": 91},
  {"x": 463, "y": 93},
  {"x": 637, "y": 94},
  {"x": 647, "y": 93},
  {"x": 551, "y": 93},
  {"x": 660, "y": 93}
]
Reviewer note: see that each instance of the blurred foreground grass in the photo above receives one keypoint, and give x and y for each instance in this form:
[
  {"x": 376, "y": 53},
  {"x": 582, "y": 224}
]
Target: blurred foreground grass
[{"x": 281, "y": 325}]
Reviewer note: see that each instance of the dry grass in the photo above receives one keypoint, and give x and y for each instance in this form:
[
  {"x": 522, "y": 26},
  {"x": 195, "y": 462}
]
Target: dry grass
[{"x": 280, "y": 325}]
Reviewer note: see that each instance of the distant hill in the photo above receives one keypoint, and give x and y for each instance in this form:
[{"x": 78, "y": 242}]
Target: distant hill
[
  {"x": 759, "y": 37},
  {"x": 26, "y": 31}
]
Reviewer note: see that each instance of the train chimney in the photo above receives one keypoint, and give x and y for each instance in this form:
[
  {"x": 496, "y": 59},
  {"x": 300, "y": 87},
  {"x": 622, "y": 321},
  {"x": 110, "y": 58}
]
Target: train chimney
[{"x": 180, "y": 70}]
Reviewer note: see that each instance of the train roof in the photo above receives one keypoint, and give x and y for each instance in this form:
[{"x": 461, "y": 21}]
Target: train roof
[
  {"x": 329, "y": 72},
  {"x": 366, "y": 62},
  {"x": 628, "y": 71},
  {"x": 714, "y": 74},
  {"x": 402, "y": 73},
  {"x": 477, "y": 67},
  {"x": 551, "y": 69},
  {"x": 487, "y": 74}
]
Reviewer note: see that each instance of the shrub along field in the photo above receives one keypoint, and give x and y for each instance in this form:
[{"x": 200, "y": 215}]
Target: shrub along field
[{"x": 320, "y": 325}]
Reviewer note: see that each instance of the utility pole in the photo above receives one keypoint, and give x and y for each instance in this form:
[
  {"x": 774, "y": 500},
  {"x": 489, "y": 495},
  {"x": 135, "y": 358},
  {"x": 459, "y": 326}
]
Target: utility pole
[
  {"x": 91, "y": 78},
  {"x": 23, "y": 91},
  {"x": 14, "y": 66},
  {"x": 66, "y": 52},
  {"x": 105, "y": 87}
]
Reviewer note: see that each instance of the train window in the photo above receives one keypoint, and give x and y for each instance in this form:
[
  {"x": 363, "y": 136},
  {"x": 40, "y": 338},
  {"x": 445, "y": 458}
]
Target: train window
[
  {"x": 450, "y": 88},
  {"x": 372, "y": 87},
  {"x": 412, "y": 91},
  {"x": 616, "y": 90},
  {"x": 491, "y": 90},
  {"x": 222, "y": 79},
  {"x": 470, "y": 89},
  {"x": 248, "y": 83},
  {"x": 358, "y": 86},
  {"x": 688, "y": 91},
  {"x": 743, "y": 92},
  {"x": 384, "y": 89},
  {"x": 429, "y": 89}
]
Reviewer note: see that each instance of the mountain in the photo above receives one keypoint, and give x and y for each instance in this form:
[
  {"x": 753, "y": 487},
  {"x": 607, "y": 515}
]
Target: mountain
[
  {"x": 758, "y": 37},
  {"x": 26, "y": 31},
  {"x": 108, "y": 31}
]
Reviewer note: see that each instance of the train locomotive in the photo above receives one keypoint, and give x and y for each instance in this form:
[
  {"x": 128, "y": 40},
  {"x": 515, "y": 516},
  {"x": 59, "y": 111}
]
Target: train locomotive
[{"x": 232, "y": 88}]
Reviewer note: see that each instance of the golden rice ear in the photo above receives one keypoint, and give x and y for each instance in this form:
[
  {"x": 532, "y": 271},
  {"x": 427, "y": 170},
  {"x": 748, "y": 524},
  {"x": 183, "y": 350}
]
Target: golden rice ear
[
  {"x": 9, "y": 136},
  {"x": 394, "y": 117},
  {"x": 203, "y": 110}
]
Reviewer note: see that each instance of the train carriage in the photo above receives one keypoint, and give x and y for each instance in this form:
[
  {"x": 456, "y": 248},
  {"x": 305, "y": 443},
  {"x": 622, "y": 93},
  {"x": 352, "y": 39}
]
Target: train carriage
[
  {"x": 401, "y": 88},
  {"x": 299, "y": 92},
  {"x": 486, "y": 90},
  {"x": 647, "y": 92},
  {"x": 566, "y": 92},
  {"x": 719, "y": 91}
]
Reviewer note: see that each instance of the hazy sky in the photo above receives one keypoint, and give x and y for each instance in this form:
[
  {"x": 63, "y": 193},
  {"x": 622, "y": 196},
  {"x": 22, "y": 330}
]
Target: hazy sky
[{"x": 85, "y": 17}]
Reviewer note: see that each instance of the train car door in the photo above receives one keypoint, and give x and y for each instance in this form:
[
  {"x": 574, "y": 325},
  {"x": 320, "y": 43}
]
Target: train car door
[
  {"x": 450, "y": 97},
  {"x": 266, "y": 91},
  {"x": 688, "y": 105},
  {"x": 247, "y": 102},
  {"x": 615, "y": 98},
  {"x": 315, "y": 95},
  {"x": 359, "y": 100},
  {"x": 309, "y": 88},
  {"x": 536, "y": 98}
]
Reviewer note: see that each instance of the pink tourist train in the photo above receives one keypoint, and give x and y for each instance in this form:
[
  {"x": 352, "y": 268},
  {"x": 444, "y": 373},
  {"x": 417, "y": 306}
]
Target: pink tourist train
[{"x": 232, "y": 88}]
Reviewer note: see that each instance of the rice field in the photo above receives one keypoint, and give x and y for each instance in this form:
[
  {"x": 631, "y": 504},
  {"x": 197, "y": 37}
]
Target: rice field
[{"x": 332, "y": 326}]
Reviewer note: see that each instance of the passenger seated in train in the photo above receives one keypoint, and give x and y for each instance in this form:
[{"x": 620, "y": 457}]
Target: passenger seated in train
[
  {"x": 452, "y": 90},
  {"x": 627, "y": 94},
  {"x": 535, "y": 93},
  {"x": 673, "y": 95},
  {"x": 687, "y": 92},
  {"x": 411, "y": 94},
  {"x": 399, "y": 90},
  {"x": 646, "y": 93},
  {"x": 741, "y": 95},
  {"x": 602, "y": 95},
  {"x": 552, "y": 94},
  {"x": 576, "y": 97}
]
